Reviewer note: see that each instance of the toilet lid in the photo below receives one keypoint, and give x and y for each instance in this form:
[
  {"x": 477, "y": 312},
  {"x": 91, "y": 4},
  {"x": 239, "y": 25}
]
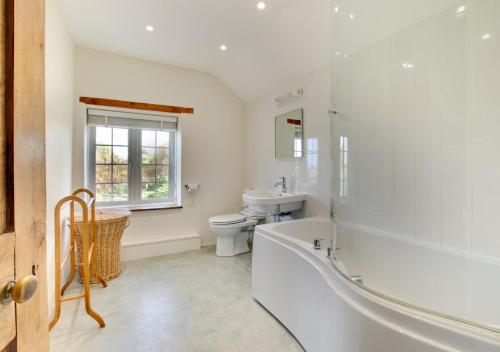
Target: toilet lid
[{"x": 227, "y": 219}]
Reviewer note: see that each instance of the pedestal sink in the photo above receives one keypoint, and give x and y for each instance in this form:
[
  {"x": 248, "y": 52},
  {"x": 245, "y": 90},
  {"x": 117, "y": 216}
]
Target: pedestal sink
[{"x": 270, "y": 202}]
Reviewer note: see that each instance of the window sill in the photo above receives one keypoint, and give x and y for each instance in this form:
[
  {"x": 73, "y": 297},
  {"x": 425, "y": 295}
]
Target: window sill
[{"x": 145, "y": 207}]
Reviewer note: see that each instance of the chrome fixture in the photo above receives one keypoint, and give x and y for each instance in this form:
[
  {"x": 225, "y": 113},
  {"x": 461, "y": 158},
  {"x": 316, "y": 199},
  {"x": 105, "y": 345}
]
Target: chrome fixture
[
  {"x": 290, "y": 96},
  {"x": 317, "y": 243},
  {"x": 282, "y": 183},
  {"x": 263, "y": 216},
  {"x": 358, "y": 279},
  {"x": 277, "y": 217},
  {"x": 329, "y": 252},
  {"x": 333, "y": 252},
  {"x": 334, "y": 243}
]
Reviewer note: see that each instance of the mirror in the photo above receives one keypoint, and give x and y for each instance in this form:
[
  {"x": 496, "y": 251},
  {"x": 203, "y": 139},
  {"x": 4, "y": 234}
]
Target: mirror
[{"x": 290, "y": 135}]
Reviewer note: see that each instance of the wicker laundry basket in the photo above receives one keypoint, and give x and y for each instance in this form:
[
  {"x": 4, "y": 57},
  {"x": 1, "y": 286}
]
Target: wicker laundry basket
[{"x": 110, "y": 226}]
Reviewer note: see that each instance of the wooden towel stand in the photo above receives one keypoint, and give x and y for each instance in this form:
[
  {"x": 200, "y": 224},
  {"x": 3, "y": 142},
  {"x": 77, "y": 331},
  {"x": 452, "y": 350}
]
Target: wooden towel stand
[{"x": 88, "y": 260}]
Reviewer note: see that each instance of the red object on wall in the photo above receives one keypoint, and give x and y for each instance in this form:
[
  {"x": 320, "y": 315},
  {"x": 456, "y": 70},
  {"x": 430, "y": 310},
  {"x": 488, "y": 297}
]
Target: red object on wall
[{"x": 294, "y": 122}]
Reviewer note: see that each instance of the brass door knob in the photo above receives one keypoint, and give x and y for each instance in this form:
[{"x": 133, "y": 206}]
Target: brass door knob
[{"x": 20, "y": 291}]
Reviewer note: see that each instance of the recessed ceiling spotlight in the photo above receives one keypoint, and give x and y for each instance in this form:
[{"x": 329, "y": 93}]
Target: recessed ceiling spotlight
[
  {"x": 461, "y": 9},
  {"x": 261, "y": 5},
  {"x": 223, "y": 47},
  {"x": 351, "y": 16},
  {"x": 336, "y": 9},
  {"x": 150, "y": 28},
  {"x": 486, "y": 36}
]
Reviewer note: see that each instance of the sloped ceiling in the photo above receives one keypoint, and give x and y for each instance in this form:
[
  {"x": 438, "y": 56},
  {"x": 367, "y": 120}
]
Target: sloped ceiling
[{"x": 289, "y": 39}]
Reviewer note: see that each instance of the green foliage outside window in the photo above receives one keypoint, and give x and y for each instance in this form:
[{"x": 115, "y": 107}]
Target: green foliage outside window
[{"x": 112, "y": 164}]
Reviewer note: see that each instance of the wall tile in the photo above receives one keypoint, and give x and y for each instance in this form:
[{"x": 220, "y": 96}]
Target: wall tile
[{"x": 420, "y": 106}]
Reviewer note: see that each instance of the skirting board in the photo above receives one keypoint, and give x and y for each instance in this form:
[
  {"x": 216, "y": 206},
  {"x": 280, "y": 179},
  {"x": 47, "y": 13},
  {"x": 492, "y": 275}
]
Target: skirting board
[{"x": 134, "y": 251}]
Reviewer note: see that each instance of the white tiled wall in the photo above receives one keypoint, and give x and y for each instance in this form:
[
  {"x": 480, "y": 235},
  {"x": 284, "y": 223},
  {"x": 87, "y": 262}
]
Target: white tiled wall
[
  {"x": 419, "y": 99},
  {"x": 308, "y": 174}
]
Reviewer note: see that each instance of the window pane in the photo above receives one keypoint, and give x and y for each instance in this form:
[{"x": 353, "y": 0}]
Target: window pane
[
  {"x": 148, "y": 138},
  {"x": 148, "y": 173},
  {"x": 162, "y": 190},
  {"x": 103, "y": 193},
  {"x": 162, "y": 155},
  {"x": 148, "y": 155},
  {"x": 102, "y": 174},
  {"x": 162, "y": 139},
  {"x": 120, "y": 174},
  {"x": 120, "y": 136},
  {"x": 162, "y": 173},
  {"x": 120, "y": 155},
  {"x": 148, "y": 191},
  {"x": 103, "y": 155},
  {"x": 344, "y": 173},
  {"x": 103, "y": 135},
  {"x": 120, "y": 192}
]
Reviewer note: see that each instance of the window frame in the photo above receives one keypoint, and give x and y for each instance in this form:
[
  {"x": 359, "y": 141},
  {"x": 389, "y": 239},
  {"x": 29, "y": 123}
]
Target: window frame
[
  {"x": 135, "y": 169},
  {"x": 344, "y": 174}
]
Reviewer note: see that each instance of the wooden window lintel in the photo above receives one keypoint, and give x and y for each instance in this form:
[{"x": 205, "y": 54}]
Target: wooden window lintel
[{"x": 135, "y": 105}]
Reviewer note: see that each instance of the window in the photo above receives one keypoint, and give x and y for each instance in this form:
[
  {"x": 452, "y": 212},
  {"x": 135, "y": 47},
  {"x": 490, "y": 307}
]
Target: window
[
  {"x": 297, "y": 147},
  {"x": 155, "y": 163},
  {"x": 344, "y": 167},
  {"x": 132, "y": 158},
  {"x": 111, "y": 164}
]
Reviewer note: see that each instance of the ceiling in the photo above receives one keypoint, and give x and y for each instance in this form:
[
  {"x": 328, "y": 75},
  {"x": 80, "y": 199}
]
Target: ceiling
[{"x": 287, "y": 40}]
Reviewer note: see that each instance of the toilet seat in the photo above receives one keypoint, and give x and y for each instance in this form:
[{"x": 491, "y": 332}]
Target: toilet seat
[{"x": 229, "y": 219}]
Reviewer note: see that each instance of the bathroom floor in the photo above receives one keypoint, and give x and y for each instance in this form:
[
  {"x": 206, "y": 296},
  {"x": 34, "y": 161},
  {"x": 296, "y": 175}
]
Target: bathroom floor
[{"x": 190, "y": 302}]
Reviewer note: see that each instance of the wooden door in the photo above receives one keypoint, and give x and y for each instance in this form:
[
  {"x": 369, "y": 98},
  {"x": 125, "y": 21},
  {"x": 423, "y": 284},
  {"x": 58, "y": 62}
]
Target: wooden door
[{"x": 23, "y": 327}]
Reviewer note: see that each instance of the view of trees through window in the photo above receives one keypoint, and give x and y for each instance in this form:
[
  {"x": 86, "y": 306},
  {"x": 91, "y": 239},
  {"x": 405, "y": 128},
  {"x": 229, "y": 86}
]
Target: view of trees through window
[
  {"x": 115, "y": 180},
  {"x": 155, "y": 164},
  {"x": 111, "y": 171}
]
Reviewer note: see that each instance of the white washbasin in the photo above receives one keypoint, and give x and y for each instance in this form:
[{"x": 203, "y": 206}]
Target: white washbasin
[{"x": 268, "y": 201}]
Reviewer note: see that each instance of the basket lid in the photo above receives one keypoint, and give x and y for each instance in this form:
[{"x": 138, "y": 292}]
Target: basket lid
[{"x": 105, "y": 215}]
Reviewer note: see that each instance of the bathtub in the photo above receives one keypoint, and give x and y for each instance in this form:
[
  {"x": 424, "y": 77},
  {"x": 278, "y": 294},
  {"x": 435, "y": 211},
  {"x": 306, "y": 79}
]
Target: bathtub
[{"x": 413, "y": 298}]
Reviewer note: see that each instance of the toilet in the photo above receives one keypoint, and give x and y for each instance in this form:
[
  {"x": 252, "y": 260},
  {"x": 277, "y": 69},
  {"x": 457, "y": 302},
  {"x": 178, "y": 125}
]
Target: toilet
[{"x": 232, "y": 234}]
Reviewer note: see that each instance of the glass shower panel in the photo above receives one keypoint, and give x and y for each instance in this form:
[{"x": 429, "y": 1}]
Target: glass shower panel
[{"x": 415, "y": 188}]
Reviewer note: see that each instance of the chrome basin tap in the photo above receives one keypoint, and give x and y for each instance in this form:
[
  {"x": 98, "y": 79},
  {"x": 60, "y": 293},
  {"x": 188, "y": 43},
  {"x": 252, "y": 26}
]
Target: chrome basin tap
[{"x": 282, "y": 183}]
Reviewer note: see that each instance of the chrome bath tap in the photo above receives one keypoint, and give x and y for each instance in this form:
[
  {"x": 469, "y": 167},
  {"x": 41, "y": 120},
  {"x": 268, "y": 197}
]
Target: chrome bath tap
[
  {"x": 317, "y": 243},
  {"x": 282, "y": 183}
]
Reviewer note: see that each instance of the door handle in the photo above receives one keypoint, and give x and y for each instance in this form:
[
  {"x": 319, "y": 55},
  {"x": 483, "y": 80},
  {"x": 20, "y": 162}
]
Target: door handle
[{"x": 20, "y": 291}]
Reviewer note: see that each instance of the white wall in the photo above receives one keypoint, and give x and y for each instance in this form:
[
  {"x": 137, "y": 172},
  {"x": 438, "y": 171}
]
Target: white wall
[
  {"x": 423, "y": 137},
  {"x": 59, "y": 121},
  {"x": 212, "y": 139},
  {"x": 308, "y": 174}
]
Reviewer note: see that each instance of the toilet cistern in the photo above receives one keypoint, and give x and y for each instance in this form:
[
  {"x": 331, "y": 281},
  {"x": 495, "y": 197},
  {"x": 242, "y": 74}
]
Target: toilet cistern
[{"x": 282, "y": 183}]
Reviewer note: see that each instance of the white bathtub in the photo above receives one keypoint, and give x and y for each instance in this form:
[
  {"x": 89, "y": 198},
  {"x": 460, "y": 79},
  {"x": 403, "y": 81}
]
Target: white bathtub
[{"x": 327, "y": 312}]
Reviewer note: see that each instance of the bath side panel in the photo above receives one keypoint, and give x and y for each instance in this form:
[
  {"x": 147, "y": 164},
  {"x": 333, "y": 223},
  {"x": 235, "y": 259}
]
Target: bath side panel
[{"x": 295, "y": 291}]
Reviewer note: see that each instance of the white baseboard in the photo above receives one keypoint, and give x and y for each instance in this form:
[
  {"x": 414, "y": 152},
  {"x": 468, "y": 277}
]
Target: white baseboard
[{"x": 134, "y": 251}]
